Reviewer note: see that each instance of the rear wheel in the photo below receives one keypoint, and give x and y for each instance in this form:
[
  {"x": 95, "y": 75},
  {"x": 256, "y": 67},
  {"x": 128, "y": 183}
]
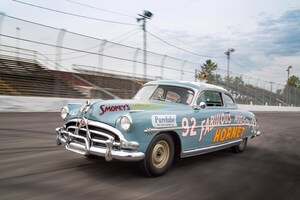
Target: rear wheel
[
  {"x": 240, "y": 147},
  {"x": 159, "y": 155},
  {"x": 91, "y": 156}
]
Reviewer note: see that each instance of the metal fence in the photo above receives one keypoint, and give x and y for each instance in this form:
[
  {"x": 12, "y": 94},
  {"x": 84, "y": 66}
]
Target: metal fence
[
  {"x": 70, "y": 49},
  {"x": 62, "y": 50}
]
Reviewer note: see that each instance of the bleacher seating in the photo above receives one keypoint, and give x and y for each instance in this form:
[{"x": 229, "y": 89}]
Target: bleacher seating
[
  {"x": 246, "y": 93},
  {"x": 122, "y": 86},
  {"x": 27, "y": 78}
]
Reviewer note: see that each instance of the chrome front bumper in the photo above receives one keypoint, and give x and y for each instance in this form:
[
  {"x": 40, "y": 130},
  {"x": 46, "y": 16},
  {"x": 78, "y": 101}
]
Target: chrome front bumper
[{"x": 110, "y": 152}]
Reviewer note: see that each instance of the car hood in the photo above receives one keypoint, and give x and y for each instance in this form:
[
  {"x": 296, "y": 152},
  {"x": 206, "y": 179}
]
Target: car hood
[{"x": 108, "y": 111}]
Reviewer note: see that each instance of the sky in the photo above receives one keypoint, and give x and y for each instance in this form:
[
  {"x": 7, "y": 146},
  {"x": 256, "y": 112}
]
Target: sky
[{"x": 264, "y": 33}]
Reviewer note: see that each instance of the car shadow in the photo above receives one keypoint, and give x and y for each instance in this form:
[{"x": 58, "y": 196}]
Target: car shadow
[{"x": 100, "y": 169}]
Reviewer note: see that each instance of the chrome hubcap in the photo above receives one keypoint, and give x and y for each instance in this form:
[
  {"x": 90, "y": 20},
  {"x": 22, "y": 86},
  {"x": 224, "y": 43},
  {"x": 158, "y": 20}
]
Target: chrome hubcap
[{"x": 160, "y": 154}]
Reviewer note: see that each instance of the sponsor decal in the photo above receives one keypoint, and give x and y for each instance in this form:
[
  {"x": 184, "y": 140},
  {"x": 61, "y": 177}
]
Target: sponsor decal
[
  {"x": 239, "y": 119},
  {"x": 206, "y": 125},
  {"x": 105, "y": 108},
  {"x": 140, "y": 104},
  {"x": 211, "y": 122},
  {"x": 228, "y": 133},
  {"x": 159, "y": 121},
  {"x": 146, "y": 106}
]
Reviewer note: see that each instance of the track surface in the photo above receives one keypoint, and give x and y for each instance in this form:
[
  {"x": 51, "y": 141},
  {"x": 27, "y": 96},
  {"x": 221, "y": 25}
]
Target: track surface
[{"x": 33, "y": 167}]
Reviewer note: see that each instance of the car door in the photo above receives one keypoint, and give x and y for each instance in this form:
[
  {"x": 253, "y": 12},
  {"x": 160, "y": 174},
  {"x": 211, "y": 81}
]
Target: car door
[
  {"x": 215, "y": 115},
  {"x": 241, "y": 125},
  {"x": 218, "y": 124},
  {"x": 200, "y": 126}
]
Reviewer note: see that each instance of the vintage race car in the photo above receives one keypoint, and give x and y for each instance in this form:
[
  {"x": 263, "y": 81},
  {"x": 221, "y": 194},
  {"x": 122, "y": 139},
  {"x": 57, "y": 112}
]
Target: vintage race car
[{"x": 165, "y": 119}]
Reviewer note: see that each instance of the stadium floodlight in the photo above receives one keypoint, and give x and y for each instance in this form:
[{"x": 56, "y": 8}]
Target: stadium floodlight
[
  {"x": 228, "y": 52},
  {"x": 143, "y": 17}
]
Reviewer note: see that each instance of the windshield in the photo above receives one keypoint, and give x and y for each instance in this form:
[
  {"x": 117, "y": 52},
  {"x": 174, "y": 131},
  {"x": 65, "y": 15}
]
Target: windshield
[
  {"x": 145, "y": 92},
  {"x": 173, "y": 94}
]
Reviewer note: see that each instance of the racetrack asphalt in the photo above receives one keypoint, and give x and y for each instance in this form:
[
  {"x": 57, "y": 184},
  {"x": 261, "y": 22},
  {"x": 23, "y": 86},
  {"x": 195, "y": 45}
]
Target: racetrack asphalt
[{"x": 33, "y": 167}]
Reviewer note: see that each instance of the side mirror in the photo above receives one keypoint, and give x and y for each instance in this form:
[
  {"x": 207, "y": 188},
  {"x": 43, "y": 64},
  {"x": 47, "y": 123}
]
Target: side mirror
[{"x": 202, "y": 105}]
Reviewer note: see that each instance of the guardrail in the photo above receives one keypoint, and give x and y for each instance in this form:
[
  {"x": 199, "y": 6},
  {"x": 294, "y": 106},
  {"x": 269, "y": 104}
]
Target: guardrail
[{"x": 46, "y": 104}]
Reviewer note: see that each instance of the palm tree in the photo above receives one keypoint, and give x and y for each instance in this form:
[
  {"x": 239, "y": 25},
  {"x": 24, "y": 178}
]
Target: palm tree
[{"x": 209, "y": 67}]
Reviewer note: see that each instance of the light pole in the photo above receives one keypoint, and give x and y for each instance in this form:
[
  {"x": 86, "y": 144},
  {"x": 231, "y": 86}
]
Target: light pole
[
  {"x": 287, "y": 84},
  {"x": 288, "y": 70},
  {"x": 100, "y": 59},
  {"x": 1, "y": 22},
  {"x": 228, "y": 52},
  {"x": 182, "y": 66},
  {"x": 59, "y": 41},
  {"x": 17, "y": 43},
  {"x": 264, "y": 93},
  {"x": 143, "y": 17},
  {"x": 271, "y": 85}
]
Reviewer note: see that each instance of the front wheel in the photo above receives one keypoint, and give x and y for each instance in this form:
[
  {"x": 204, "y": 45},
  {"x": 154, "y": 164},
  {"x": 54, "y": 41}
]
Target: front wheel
[
  {"x": 240, "y": 147},
  {"x": 159, "y": 155}
]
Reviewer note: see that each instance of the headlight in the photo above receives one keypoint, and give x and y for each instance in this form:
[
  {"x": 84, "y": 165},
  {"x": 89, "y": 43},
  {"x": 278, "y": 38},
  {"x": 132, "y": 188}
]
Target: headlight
[
  {"x": 64, "y": 112},
  {"x": 126, "y": 122}
]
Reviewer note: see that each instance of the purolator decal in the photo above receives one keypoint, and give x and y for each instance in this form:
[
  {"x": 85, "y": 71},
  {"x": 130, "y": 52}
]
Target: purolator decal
[
  {"x": 163, "y": 121},
  {"x": 105, "y": 108}
]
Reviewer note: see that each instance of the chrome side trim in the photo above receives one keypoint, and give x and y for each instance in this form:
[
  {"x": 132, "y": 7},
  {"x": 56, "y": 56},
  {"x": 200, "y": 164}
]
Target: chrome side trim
[
  {"x": 156, "y": 130},
  {"x": 203, "y": 150}
]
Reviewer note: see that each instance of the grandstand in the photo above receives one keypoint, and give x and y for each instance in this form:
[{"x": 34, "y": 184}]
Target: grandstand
[
  {"x": 26, "y": 77},
  {"x": 247, "y": 93}
]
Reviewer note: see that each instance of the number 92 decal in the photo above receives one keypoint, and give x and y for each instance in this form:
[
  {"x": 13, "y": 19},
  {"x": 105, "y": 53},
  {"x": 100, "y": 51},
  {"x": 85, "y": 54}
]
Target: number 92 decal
[{"x": 186, "y": 127}]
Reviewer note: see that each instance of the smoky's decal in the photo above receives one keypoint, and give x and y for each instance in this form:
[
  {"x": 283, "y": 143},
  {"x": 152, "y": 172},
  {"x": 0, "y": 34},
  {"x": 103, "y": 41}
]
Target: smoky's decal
[{"x": 114, "y": 108}]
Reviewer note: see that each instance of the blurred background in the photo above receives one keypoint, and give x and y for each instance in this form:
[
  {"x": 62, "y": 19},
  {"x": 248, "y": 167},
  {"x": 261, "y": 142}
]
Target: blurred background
[
  {"x": 38, "y": 59},
  {"x": 57, "y": 51}
]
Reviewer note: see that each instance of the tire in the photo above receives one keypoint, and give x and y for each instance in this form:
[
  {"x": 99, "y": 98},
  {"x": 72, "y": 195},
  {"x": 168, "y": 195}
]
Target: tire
[
  {"x": 91, "y": 157},
  {"x": 159, "y": 155},
  {"x": 240, "y": 147}
]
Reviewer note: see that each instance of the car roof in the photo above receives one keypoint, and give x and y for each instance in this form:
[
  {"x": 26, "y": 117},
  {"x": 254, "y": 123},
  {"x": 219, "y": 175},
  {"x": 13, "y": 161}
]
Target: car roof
[{"x": 190, "y": 84}]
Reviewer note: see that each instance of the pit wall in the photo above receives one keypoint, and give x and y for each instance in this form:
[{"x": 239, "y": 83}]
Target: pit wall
[{"x": 49, "y": 104}]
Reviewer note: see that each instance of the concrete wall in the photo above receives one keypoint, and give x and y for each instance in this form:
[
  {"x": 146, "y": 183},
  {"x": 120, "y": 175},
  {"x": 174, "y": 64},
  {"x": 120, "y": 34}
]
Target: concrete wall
[{"x": 47, "y": 104}]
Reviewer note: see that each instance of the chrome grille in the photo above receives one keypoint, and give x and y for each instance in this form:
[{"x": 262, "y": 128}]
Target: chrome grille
[{"x": 98, "y": 135}]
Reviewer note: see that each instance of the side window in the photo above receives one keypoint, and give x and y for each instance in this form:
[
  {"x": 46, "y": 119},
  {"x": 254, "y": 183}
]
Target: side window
[
  {"x": 211, "y": 98},
  {"x": 229, "y": 101}
]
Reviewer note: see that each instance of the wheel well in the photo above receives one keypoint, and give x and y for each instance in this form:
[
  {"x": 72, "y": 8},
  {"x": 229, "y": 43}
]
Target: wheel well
[{"x": 177, "y": 143}]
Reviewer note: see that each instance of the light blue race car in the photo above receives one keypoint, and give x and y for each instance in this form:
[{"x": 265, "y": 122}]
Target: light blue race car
[{"x": 165, "y": 119}]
